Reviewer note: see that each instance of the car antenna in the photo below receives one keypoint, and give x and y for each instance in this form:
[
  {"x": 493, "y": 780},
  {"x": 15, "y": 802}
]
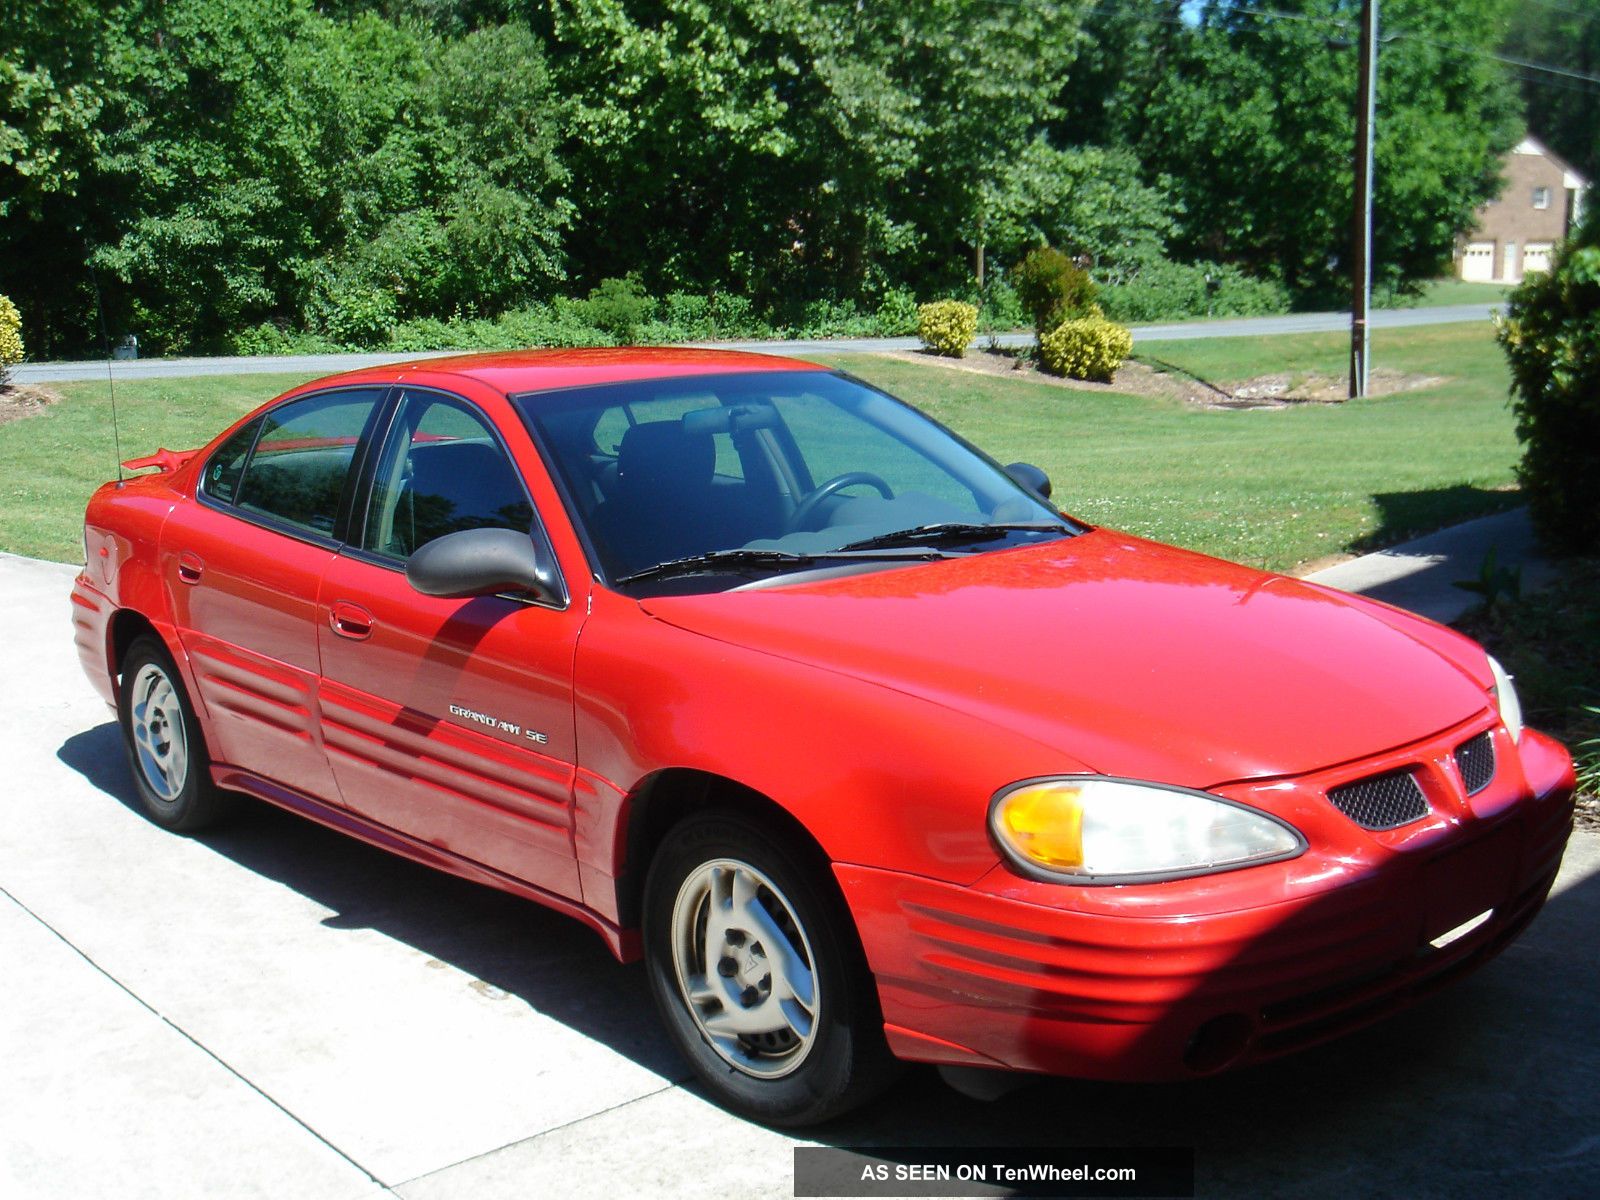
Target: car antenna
[{"x": 105, "y": 344}]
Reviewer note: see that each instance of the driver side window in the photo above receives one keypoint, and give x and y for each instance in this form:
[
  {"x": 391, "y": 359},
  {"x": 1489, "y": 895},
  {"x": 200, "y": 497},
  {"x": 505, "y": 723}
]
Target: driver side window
[{"x": 442, "y": 470}]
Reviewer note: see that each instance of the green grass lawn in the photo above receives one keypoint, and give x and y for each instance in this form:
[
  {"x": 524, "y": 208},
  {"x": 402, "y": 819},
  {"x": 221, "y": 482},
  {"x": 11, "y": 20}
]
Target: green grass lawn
[
  {"x": 1442, "y": 293},
  {"x": 49, "y": 463},
  {"x": 1272, "y": 487}
]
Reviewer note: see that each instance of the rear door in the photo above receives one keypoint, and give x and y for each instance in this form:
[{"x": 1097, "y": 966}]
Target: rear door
[
  {"x": 449, "y": 720},
  {"x": 244, "y": 565}
]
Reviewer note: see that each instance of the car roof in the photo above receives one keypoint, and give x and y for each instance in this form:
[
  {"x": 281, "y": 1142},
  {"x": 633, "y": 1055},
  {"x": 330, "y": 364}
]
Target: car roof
[{"x": 515, "y": 371}]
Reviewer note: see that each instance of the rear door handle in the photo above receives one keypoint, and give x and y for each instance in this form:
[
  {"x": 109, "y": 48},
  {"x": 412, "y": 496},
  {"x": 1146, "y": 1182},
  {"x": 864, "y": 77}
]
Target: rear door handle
[
  {"x": 190, "y": 567},
  {"x": 350, "y": 620}
]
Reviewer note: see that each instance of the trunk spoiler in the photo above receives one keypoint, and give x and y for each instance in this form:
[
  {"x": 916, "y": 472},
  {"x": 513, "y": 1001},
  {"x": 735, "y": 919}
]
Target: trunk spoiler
[{"x": 163, "y": 460}]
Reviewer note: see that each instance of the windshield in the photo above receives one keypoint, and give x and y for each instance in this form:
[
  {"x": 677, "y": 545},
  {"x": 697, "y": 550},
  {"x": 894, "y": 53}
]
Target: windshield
[{"x": 716, "y": 479}]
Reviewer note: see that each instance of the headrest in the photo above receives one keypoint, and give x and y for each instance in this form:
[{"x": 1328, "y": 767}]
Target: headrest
[{"x": 664, "y": 454}]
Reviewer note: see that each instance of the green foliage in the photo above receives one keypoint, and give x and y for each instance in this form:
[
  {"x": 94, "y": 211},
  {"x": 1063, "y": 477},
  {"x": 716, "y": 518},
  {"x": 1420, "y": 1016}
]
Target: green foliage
[
  {"x": 618, "y": 307},
  {"x": 1246, "y": 117},
  {"x": 1562, "y": 113},
  {"x": 1085, "y": 348},
  {"x": 230, "y": 162},
  {"x": 10, "y": 337},
  {"x": 1586, "y": 754},
  {"x": 1550, "y": 642},
  {"x": 1052, "y": 288},
  {"x": 1088, "y": 200},
  {"x": 947, "y": 327},
  {"x": 1551, "y": 337},
  {"x": 343, "y": 170},
  {"x": 808, "y": 148},
  {"x": 1495, "y": 584},
  {"x": 1169, "y": 291},
  {"x": 350, "y": 310},
  {"x": 898, "y": 313},
  {"x": 999, "y": 307}
]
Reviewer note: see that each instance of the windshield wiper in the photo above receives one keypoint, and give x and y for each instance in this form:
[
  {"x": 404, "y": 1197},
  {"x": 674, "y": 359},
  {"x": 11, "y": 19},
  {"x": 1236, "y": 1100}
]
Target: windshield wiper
[
  {"x": 726, "y": 561},
  {"x": 954, "y": 531}
]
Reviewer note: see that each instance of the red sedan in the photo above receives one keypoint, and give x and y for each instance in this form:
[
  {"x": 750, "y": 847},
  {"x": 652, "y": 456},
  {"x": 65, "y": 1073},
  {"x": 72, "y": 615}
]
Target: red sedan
[{"x": 870, "y": 752}]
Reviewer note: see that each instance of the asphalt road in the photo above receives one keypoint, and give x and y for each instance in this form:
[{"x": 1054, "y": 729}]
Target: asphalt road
[
  {"x": 273, "y": 1010},
  {"x": 325, "y": 364}
]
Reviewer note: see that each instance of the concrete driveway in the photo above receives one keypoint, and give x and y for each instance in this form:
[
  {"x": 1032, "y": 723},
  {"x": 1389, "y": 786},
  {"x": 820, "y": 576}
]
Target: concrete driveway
[{"x": 277, "y": 1011}]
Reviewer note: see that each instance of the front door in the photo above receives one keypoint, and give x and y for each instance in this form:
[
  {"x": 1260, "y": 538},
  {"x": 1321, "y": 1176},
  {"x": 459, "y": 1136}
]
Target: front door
[{"x": 449, "y": 720}]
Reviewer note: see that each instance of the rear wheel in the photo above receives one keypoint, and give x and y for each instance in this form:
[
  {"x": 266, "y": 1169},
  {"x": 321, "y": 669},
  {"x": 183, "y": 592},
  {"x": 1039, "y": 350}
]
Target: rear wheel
[
  {"x": 166, "y": 749},
  {"x": 757, "y": 974}
]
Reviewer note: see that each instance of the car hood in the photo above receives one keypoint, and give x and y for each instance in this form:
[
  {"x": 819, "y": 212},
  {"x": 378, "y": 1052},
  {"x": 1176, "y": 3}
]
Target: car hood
[{"x": 1131, "y": 657}]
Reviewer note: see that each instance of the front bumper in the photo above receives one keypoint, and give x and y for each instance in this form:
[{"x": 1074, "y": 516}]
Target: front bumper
[{"x": 1188, "y": 977}]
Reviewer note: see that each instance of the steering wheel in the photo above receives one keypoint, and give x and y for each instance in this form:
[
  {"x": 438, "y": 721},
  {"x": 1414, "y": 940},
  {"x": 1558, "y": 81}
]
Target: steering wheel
[{"x": 807, "y": 507}]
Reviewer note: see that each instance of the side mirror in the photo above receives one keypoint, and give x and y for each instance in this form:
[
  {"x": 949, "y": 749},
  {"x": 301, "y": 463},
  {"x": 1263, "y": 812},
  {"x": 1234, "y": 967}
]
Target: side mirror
[
  {"x": 1030, "y": 477},
  {"x": 485, "y": 562}
]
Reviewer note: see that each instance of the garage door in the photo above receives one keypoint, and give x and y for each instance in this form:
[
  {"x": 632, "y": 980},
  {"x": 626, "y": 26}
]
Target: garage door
[
  {"x": 1536, "y": 257},
  {"x": 1477, "y": 261}
]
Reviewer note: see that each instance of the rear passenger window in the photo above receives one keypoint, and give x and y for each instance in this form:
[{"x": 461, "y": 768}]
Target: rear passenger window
[
  {"x": 300, "y": 465},
  {"x": 226, "y": 468},
  {"x": 442, "y": 471}
]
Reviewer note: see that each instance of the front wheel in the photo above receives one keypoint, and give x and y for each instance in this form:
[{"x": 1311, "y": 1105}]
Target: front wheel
[
  {"x": 166, "y": 749},
  {"x": 757, "y": 975}
]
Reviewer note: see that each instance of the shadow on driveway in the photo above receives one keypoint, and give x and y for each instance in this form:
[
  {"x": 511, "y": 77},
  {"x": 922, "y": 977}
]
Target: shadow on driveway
[{"x": 1487, "y": 1089}]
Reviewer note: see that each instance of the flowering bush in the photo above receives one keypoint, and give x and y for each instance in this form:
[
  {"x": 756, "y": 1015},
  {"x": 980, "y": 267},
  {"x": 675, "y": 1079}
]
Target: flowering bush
[
  {"x": 947, "y": 327},
  {"x": 1087, "y": 348}
]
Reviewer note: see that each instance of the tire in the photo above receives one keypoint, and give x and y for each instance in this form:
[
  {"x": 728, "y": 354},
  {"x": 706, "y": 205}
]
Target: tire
[
  {"x": 783, "y": 1026},
  {"x": 166, "y": 749}
]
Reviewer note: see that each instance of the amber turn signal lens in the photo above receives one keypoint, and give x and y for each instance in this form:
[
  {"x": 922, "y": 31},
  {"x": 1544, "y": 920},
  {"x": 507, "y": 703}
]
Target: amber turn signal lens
[{"x": 1045, "y": 823}]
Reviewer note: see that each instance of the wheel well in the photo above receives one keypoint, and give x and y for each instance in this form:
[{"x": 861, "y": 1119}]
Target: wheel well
[
  {"x": 126, "y": 625},
  {"x": 666, "y": 798}
]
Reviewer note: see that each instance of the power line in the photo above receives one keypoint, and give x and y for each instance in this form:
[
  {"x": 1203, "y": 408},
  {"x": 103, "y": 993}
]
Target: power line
[
  {"x": 1563, "y": 8},
  {"x": 1507, "y": 59},
  {"x": 1586, "y": 89},
  {"x": 1270, "y": 15}
]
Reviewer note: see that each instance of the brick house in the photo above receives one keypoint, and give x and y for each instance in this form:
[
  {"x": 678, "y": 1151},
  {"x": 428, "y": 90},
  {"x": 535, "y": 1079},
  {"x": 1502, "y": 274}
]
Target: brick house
[{"x": 1542, "y": 198}]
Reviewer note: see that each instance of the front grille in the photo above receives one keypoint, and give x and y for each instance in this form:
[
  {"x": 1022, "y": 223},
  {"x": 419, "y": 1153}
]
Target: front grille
[
  {"x": 1475, "y": 761},
  {"x": 1382, "y": 801}
]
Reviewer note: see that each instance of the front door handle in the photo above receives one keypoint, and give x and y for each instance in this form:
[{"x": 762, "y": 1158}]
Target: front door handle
[
  {"x": 190, "y": 567},
  {"x": 350, "y": 620}
]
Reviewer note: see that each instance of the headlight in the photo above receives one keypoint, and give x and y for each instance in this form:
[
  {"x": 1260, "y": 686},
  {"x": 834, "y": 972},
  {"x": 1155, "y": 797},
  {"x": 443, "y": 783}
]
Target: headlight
[
  {"x": 1505, "y": 699},
  {"x": 1093, "y": 829}
]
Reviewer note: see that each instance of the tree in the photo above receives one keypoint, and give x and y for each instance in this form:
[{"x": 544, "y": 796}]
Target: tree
[
  {"x": 1564, "y": 111},
  {"x": 818, "y": 147},
  {"x": 226, "y": 162},
  {"x": 1250, "y": 114}
]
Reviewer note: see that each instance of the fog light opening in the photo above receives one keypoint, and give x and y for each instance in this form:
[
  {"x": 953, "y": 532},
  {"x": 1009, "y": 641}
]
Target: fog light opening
[{"x": 1218, "y": 1042}]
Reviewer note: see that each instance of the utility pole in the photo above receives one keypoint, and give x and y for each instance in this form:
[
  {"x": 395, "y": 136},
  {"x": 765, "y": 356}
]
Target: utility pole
[{"x": 1361, "y": 274}]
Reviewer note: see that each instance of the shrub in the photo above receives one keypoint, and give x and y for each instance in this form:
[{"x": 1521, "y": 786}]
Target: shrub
[
  {"x": 999, "y": 309},
  {"x": 897, "y": 313},
  {"x": 1052, "y": 288},
  {"x": 735, "y": 317},
  {"x": 618, "y": 307},
  {"x": 1551, "y": 336},
  {"x": 947, "y": 327},
  {"x": 688, "y": 316},
  {"x": 835, "y": 319},
  {"x": 352, "y": 312},
  {"x": 10, "y": 337},
  {"x": 1086, "y": 348},
  {"x": 268, "y": 338},
  {"x": 1169, "y": 291}
]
